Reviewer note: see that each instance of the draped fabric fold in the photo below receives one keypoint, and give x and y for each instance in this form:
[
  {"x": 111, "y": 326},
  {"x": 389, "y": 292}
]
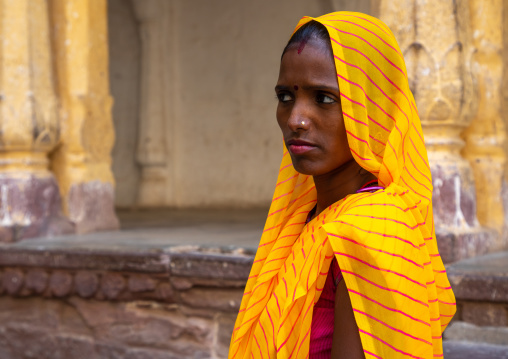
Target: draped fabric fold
[{"x": 384, "y": 242}]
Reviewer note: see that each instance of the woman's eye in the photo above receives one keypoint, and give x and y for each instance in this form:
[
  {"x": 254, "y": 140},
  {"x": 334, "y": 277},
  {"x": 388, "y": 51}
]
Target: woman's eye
[
  {"x": 283, "y": 97},
  {"x": 322, "y": 98}
]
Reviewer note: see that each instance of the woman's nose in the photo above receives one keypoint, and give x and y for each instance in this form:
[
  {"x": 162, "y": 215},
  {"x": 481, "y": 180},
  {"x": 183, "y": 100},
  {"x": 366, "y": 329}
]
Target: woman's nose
[{"x": 299, "y": 118}]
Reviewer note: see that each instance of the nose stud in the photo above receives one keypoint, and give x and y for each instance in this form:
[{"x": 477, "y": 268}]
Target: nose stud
[{"x": 303, "y": 123}]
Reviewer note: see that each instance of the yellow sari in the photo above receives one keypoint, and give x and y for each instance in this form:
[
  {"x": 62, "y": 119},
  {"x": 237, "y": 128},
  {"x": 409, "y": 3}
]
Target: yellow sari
[{"x": 384, "y": 242}]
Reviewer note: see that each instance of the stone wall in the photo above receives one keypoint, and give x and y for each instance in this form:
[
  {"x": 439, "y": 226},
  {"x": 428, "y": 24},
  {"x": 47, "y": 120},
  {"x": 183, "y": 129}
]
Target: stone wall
[
  {"x": 64, "y": 304},
  {"x": 174, "y": 302}
]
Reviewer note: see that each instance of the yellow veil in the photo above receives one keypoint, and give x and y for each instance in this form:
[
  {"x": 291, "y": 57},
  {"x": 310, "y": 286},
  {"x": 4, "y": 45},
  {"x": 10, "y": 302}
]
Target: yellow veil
[{"x": 384, "y": 242}]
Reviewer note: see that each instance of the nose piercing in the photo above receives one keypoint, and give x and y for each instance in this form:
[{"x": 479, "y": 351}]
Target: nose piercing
[{"x": 303, "y": 123}]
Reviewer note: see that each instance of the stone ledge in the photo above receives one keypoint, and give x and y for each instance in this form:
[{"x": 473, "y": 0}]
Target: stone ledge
[
  {"x": 468, "y": 350},
  {"x": 482, "y": 278},
  {"x": 145, "y": 251},
  {"x": 461, "y": 331}
]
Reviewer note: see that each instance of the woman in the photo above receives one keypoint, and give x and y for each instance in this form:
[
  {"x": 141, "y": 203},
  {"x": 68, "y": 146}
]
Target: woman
[{"x": 348, "y": 265}]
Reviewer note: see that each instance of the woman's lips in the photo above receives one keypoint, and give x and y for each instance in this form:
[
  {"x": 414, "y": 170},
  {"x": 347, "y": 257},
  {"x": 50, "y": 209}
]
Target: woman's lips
[{"x": 298, "y": 147}]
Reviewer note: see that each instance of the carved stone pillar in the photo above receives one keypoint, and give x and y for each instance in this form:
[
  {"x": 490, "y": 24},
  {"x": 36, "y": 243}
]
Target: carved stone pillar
[
  {"x": 82, "y": 163},
  {"x": 29, "y": 126},
  {"x": 152, "y": 146},
  {"x": 435, "y": 39},
  {"x": 486, "y": 135}
]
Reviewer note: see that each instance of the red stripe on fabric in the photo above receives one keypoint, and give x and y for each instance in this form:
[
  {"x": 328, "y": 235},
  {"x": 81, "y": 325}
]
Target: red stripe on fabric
[
  {"x": 377, "y": 250},
  {"x": 283, "y": 195},
  {"x": 286, "y": 166},
  {"x": 362, "y": 105},
  {"x": 417, "y": 131},
  {"x": 368, "y": 146},
  {"x": 384, "y": 288},
  {"x": 277, "y": 211},
  {"x": 445, "y": 288},
  {"x": 273, "y": 326},
  {"x": 447, "y": 303},
  {"x": 368, "y": 59},
  {"x": 351, "y": 200},
  {"x": 379, "y": 141},
  {"x": 269, "y": 229},
  {"x": 414, "y": 179},
  {"x": 260, "y": 351},
  {"x": 416, "y": 168},
  {"x": 389, "y": 308},
  {"x": 419, "y": 154},
  {"x": 291, "y": 331},
  {"x": 278, "y": 259},
  {"x": 374, "y": 47},
  {"x": 392, "y": 328},
  {"x": 381, "y": 269},
  {"x": 379, "y": 233},
  {"x": 376, "y": 104},
  {"x": 354, "y": 119},
  {"x": 385, "y": 219},
  {"x": 262, "y": 298},
  {"x": 254, "y": 317},
  {"x": 377, "y": 123},
  {"x": 259, "y": 260},
  {"x": 390, "y": 205},
  {"x": 360, "y": 157},
  {"x": 287, "y": 179},
  {"x": 389, "y": 345},
  {"x": 418, "y": 193},
  {"x": 373, "y": 33},
  {"x": 267, "y": 243},
  {"x": 373, "y": 23},
  {"x": 374, "y": 355},
  {"x": 301, "y": 341},
  {"x": 277, "y": 301}
]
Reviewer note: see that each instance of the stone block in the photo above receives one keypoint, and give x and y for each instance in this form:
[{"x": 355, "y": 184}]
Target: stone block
[
  {"x": 149, "y": 326},
  {"x": 112, "y": 284},
  {"x": 60, "y": 283},
  {"x": 165, "y": 292},
  {"x": 91, "y": 206},
  {"x": 462, "y": 331},
  {"x": 480, "y": 279},
  {"x": 37, "y": 280},
  {"x": 75, "y": 347},
  {"x": 222, "y": 299},
  {"x": 86, "y": 283},
  {"x": 33, "y": 208},
  {"x": 485, "y": 314},
  {"x": 141, "y": 283},
  {"x": 472, "y": 350},
  {"x": 226, "y": 324},
  {"x": 12, "y": 280},
  {"x": 205, "y": 265},
  {"x": 457, "y": 245}
]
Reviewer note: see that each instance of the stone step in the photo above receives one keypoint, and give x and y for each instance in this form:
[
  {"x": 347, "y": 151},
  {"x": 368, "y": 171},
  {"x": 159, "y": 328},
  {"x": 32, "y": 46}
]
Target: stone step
[
  {"x": 480, "y": 285},
  {"x": 472, "y": 350}
]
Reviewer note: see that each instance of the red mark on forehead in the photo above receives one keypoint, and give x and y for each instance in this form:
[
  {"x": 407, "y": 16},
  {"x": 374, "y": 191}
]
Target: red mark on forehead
[
  {"x": 295, "y": 87},
  {"x": 302, "y": 46}
]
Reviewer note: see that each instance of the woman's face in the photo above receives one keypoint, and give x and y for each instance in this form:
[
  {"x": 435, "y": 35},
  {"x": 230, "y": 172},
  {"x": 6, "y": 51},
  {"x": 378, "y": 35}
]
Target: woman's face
[{"x": 309, "y": 111}]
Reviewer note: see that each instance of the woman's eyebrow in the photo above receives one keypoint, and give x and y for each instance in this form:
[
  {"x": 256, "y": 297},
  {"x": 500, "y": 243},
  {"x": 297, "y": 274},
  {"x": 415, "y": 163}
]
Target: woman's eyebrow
[
  {"x": 321, "y": 87},
  {"x": 281, "y": 88}
]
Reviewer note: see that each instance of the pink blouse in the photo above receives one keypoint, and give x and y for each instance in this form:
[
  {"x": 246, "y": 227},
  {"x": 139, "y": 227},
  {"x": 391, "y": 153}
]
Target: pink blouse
[{"x": 321, "y": 332}]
